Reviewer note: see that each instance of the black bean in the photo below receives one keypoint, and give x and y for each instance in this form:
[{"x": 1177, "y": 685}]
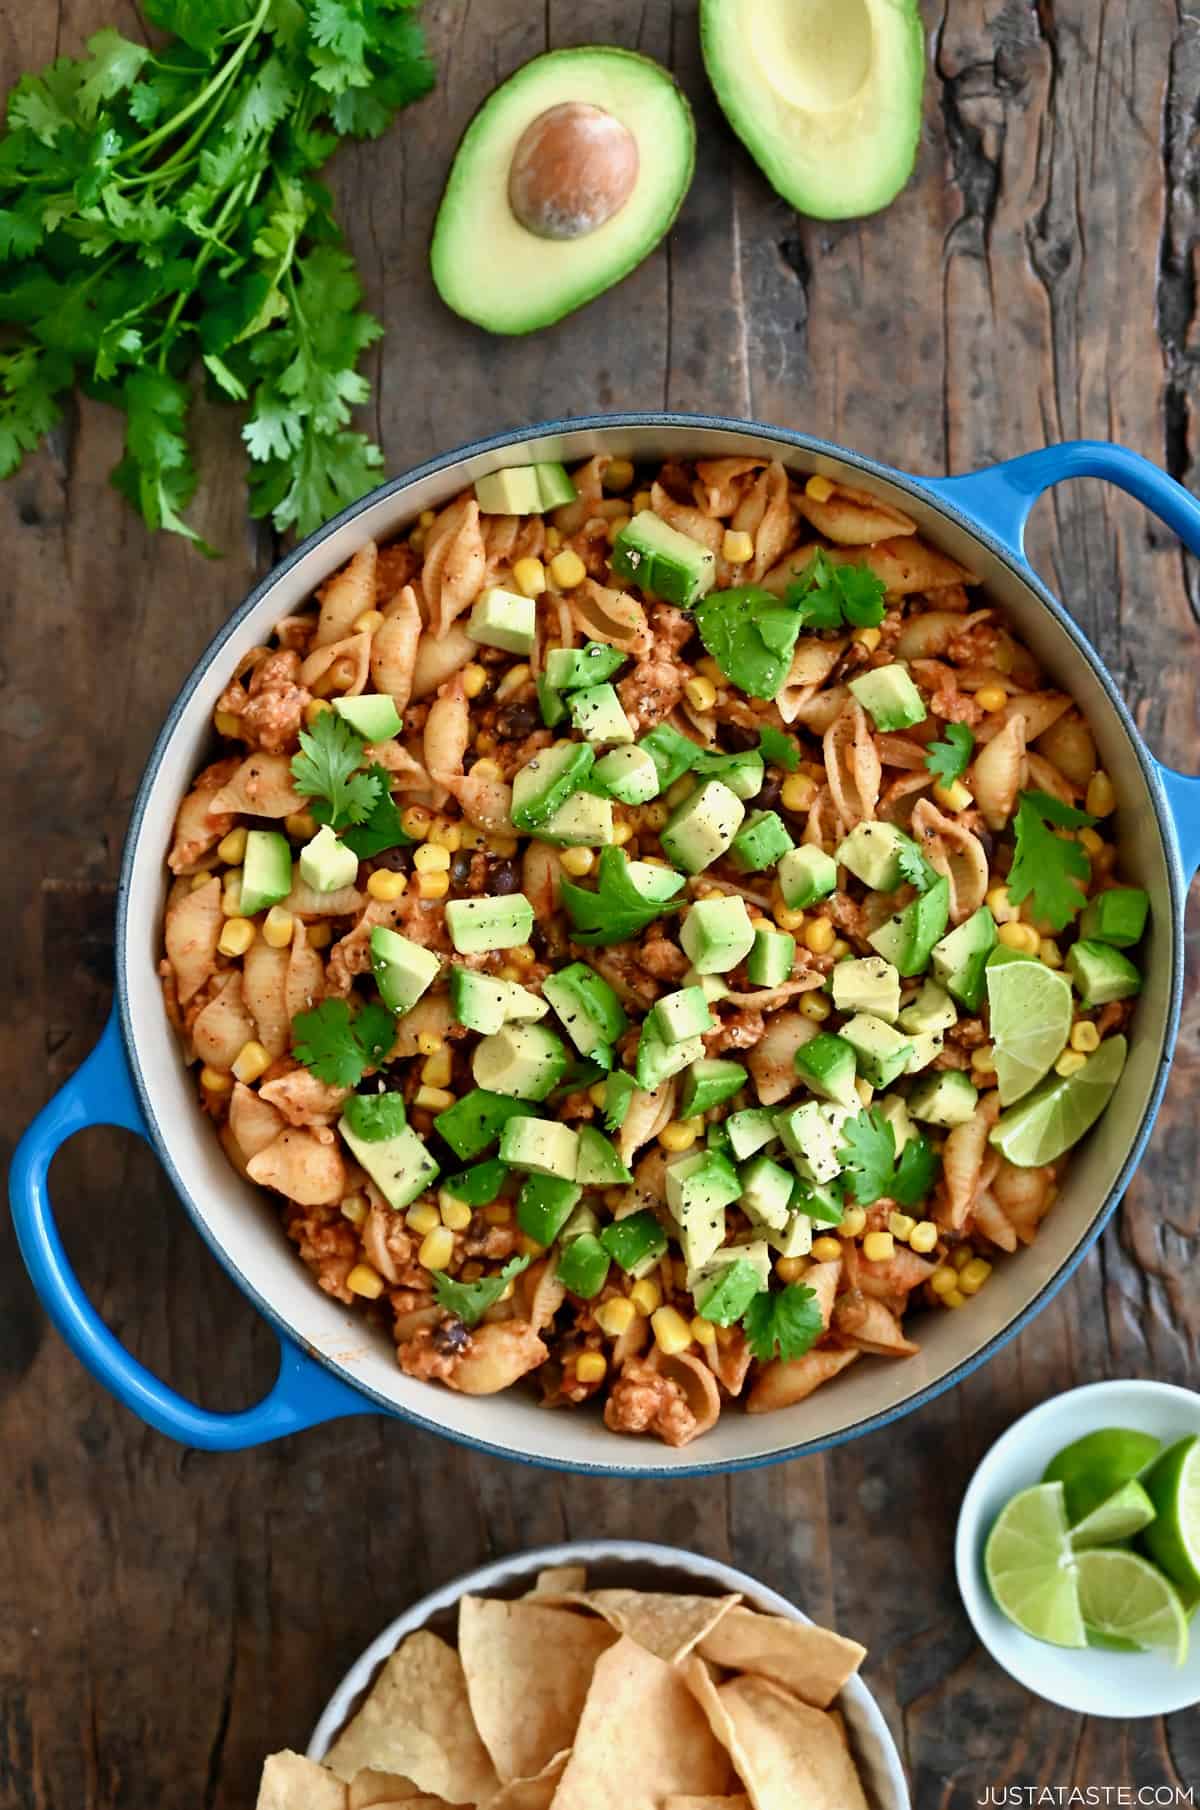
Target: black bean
[
  {"x": 396, "y": 860},
  {"x": 450, "y": 1337},
  {"x": 768, "y": 794},
  {"x": 503, "y": 877},
  {"x": 460, "y": 869},
  {"x": 740, "y": 740},
  {"x": 517, "y": 720}
]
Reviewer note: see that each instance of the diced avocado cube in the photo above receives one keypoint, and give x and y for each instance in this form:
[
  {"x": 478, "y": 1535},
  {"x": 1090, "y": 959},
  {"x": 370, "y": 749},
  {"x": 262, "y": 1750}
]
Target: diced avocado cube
[
  {"x": 374, "y": 716},
  {"x": 655, "y": 882},
  {"x": 599, "y": 1165},
  {"x": 682, "y": 1014},
  {"x": 766, "y": 1191},
  {"x": 816, "y": 1201},
  {"x": 475, "y": 1121},
  {"x": 725, "y": 1296},
  {"x": 524, "y": 1060},
  {"x": 888, "y": 694},
  {"x": 571, "y": 668},
  {"x": 658, "y": 1061},
  {"x": 480, "y": 1185},
  {"x": 772, "y": 957},
  {"x": 1101, "y": 973},
  {"x": 811, "y": 1140},
  {"x": 947, "y": 1098},
  {"x": 477, "y": 926},
  {"x": 582, "y": 1265},
  {"x": 597, "y": 714},
  {"x": 960, "y": 959},
  {"x": 589, "y": 1010},
  {"x": 326, "y": 864},
  {"x": 699, "y": 1188},
  {"x": 931, "y": 1010},
  {"x": 867, "y": 985},
  {"x": 584, "y": 821},
  {"x": 267, "y": 871},
  {"x": 700, "y": 830},
  {"x": 761, "y": 842},
  {"x": 872, "y": 853},
  {"x": 744, "y": 773},
  {"x": 907, "y": 939},
  {"x": 628, "y": 775},
  {"x": 550, "y": 703},
  {"x": 364, "y": 1117},
  {"x": 403, "y": 969},
  {"x": 503, "y": 619},
  {"x": 514, "y": 490},
  {"x": 711, "y": 985},
  {"x": 637, "y": 1243},
  {"x": 1117, "y": 916},
  {"x": 709, "y": 1082},
  {"x": 400, "y": 1166},
  {"x": 660, "y": 559},
  {"x": 895, "y": 1111},
  {"x": 796, "y": 1238},
  {"x": 826, "y": 1065},
  {"x": 539, "y": 1146},
  {"x": 547, "y": 781},
  {"x": 717, "y": 1138},
  {"x": 806, "y": 875},
  {"x": 555, "y": 485},
  {"x": 927, "y": 1046},
  {"x": 754, "y": 1251},
  {"x": 484, "y": 1004},
  {"x": 750, "y": 1131},
  {"x": 881, "y": 1052},
  {"x": 544, "y": 1205},
  {"x": 673, "y": 753},
  {"x": 717, "y": 934}
]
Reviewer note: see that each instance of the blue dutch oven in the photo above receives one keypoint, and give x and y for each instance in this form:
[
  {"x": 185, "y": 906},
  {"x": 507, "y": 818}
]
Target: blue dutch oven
[{"x": 331, "y": 1364}]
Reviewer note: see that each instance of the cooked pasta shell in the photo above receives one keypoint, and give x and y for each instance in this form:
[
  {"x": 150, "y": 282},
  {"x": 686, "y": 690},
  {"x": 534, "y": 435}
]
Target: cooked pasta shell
[
  {"x": 394, "y": 648},
  {"x": 614, "y": 617},
  {"x": 455, "y": 565},
  {"x": 772, "y": 1062},
  {"x": 767, "y": 514},
  {"x": 989, "y": 1217},
  {"x": 439, "y": 657},
  {"x": 954, "y": 852},
  {"x": 851, "y": 518},
  {"x": 718, "y": 488},
  {"x": 695, "y": 523},
  {"x": 782, "y": 1385},
  {"x": 253, "y": 1121},
  {"x": 699, "y": 1387},
  {"x": 198, "y": 828},
  {"x": 352, "y": 657},
  {"x": 997, "y": 772},
  {"x": 852, "y": 765},
  {"x": 645, "y": 1117},
  {"x": 498, "y": 1354},
  {"x": 962, "y": 1159},
  {"x": 927, "y": 636},
  {"x": 305, "y": 1166},
  {"x": 304, "y": 983},
  {"x": 905, "y": 565},
  {"x": 303, "y": 1098},
  {"x": 264, "y": 989},
  {"x": 194, "y": 922},
  {"x": 880, "y": 1333},
  {"x": 221, "y": 1030},
  {"x": 261, "y": 787},
  {"x": 447, "y": 732},
  {"x": 346, "y": 596},
  {"x": 1070, "y": 746}
]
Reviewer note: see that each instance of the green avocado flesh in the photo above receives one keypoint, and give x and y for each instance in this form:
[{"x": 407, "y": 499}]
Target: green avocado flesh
[
  {"x": 824, "y": 94},
  {"x": 494, "y": 271}
]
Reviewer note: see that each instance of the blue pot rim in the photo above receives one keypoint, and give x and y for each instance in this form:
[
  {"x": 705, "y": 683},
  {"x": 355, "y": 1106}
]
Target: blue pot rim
[{"x": 871, "y": 468}]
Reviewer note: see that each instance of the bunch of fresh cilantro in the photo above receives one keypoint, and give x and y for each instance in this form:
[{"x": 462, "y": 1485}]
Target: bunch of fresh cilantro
[{"x": 160, "y": 215}]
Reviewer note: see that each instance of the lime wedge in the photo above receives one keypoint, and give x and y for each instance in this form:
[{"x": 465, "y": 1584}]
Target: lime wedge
[
  {"x": 1091, "y": 1469},
  {"x": 1029, "y": 1010},
  {"x": 1173, "y": 1539},
  {"x": 1029, "y": 1567},
  {"x": 1057, "y": 1114},
  {"x": 1127, "y": 1511},
  {"x": 1125, "y": 1597}
]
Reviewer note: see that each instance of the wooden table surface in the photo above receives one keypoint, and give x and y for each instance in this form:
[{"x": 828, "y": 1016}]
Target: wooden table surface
[{"x": 168, "y": 1617}]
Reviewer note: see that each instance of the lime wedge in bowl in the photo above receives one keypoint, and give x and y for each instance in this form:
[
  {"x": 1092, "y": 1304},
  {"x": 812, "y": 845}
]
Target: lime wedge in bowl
[
  {"x": 1173, "y": 1539},
  {"x": 1123, "y": 1597},
  {"x": 1093, "y": 1468},
  {"x": 1057, "y": 1114},
  {"x": 1029, "y": 1011},
  {"x": 1126, "y": 1512},
  {"x": 1030, "y": 1567}
]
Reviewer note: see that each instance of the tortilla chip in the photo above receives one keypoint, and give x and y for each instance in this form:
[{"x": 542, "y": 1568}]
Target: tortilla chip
[
  {"x": 559, "y": 1578},
  {"x": 290, "y": 1782},
  {"x": 528, "y": 1668},
  {"x": 813, "y": 1662},
  {"x": 416, "y": 1721},
  {"x": 369, "y": 1788},
  {"x": 531, "y": 1794},
  {"x": 666, "y": 1625},
  {"x": 786, "y": 1752},
  {"x": 641, "y": 1738}
]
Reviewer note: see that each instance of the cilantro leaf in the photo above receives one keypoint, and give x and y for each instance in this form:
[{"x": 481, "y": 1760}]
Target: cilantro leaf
[
  {"x": 1048, "y": 869},
  {"x": 750, "y": 634},
  {"x": 948, "y": 760},
  {"x": 915, "y": 868},
  {"x": 826, "y": 596},
  {"x": 325, "y": 770},
  {"x": 916, "y": 1172},
  {"x": 619, "y": 1090},
  {"x": 862, "y": 596},
  {"x": 615, "y": 910},
  {"x": 785, "y": 1323},
  {"x": 469, "y": 1301},
  {"x": 114, "y": 64},
  {"x": 30, "y": 380},
  {"x": 339, "y": 1049},
  {"x": 382, "y": 829},
  {"x": 868, "y": 1155},
  {"x": 778, "y": 748},
  {"x": 374, "y": 1117}
]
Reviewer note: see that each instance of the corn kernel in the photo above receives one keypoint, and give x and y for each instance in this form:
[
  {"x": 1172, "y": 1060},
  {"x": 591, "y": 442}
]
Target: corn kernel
[
  {"x": 577, "y": 862},
  {"x": 355, "y": 1208},
  {"x": 504, "y": 846},
  {"x": 387, "y": 886},
  {"x": 567, "y": 569},
  {"x": 1090, "y": 841},
  {"x": 447, "y": 836},
  {"x": 422, "y": 1218},
  {"x": 826, "y": 1249},
  {"x": 841, "y": 949},
  {"x": 853, "y": 1222},
  {"x": 983, "y": 1060},
  {"x": 864, "y": 1090},
  {"x": 737, "y": 547},
  {"x": 301, "y": 826},
  {"x": 278, "y": 926},
  {"x": 972, "y": 1278},
  {"x": 618, "y": 475},
  {"x": 616, "y": 1316},
  {"x": 315, "y": 709},
  {"x": 672, "y": 1334},
  {"x": 1049, "y": 952},
  {"x": 646, "y": 1295},
  {"x": 432, "y": 886},
  {"x": 498, "y": 1213},
  {"x": 225, "y": 723},
  {"x": 1001, "y": 906},
  {"x": 213, "y": 1081},
  {"x": 368, "y": 622},
  {"x": 319, "y": 936},
  {"x": 236, "y": 937},
  {"x": 415, "y": 821},
  {"x": 590, "y": 1367},
  {"x": 943, "y": 1280},
  {"x": 1085, "y": 1037},
  {"x": 427, "y": 518},
  {"x": 954, "y": 1297},
  {"x": 365, "y": 1281},
  {"x": 642, "y": 499},
  {"x": 474, "y": 678},
  {"x": 434, "y": 1099},
  {"x": 700, "y": 693},
  {"x": 252, "y": 1062},
  {"x": 509, "y": 971},
  {"x": 1101, "y": 799},
  {"x": 598, "y": 1093},
  {"x": 683, "y": 788},
  {"x": 199, "y": 880},
  {"x": 954, "y": 797},
  {"x": 514, "y": 680},
  {"x": 1070, "y": 1063},
  {"x": 1020, "y": 936},
  {"x": 487, "y": 769},
  {"x": 455, "y": 1213},
  {"x": 232, "y": 848},
  {"x": 703, "y": 1332},
  {"x": 622, "y": 833},
  {"x": 819, "y": 488},
  {"x": 429, "y": 1043},
  {"x": 797, "y": 792},
  {"x": 416, "y": 540},
  {"x": 816, "y": 1007},
  {"x": 991, "y": 698},
  {"x": 435, "y": 1070},
  {"x": 901, "y": 1226},
  {"x": 868, "y": 638},
  {"x": 819, "y": 936},
  {"x": 431, "y": 859},
  {"x": 529, "y": 576},
  {"x": 437, "y": 1248},
  {"x": 786, "y": 918},
  {"x": 879, "y": 1247},
  {"x": 553, "y": 539},
  {"x": 924, "y": 1237}
]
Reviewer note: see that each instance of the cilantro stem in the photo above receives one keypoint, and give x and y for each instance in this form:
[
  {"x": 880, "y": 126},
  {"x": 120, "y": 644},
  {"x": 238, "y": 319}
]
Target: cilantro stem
[{"x": 199, "y": 101}]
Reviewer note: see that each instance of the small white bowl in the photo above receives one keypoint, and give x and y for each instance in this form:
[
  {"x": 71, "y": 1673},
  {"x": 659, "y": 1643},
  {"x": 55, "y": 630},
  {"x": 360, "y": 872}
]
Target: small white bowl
[
  {"x": 634, "y": 1564},
  {"x": 1089, "y": 1681}
]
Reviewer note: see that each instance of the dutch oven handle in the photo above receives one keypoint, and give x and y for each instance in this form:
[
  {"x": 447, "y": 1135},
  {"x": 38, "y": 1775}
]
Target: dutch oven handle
[
  {"x": 101, "y": 1093},
  {"x": 1000, "y": 500}
]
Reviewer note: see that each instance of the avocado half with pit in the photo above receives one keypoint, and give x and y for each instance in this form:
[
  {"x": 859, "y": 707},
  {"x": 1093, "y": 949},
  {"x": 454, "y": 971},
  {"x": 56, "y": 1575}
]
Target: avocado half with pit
[
  {"x": 566, "y": 178},
  {"x": 824, "y": 94}
]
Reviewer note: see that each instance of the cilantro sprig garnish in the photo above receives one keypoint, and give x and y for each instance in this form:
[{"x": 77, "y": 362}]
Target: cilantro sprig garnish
[
  {"x": 160, "y": 213},
  {"x": 915, "y": 868},
  {"x": 382, "y": 829},
  {"x": 784, "y": 1323},
  {"x": 826, "y": 596},
  {"x": 326, "y": 770},
  {"x": 1047, "y": 868},
  {"x": 469, "y": 1301},
  {"x": 339, "y": 1049},
  {"x": 779, "y": 749},
  {"x": 869, "y": 1164},
  {"x": 615, "y": 910},
  {"x": 948, "y": 760},
  {"x": 374, "y": 1117}
]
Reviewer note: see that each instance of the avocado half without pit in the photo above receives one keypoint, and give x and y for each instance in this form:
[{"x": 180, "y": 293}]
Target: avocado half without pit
[{"x": 566, "y": 179}]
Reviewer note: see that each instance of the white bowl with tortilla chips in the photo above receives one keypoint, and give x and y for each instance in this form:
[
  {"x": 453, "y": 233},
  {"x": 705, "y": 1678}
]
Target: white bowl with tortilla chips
[{"x": 545, "y": 1706}]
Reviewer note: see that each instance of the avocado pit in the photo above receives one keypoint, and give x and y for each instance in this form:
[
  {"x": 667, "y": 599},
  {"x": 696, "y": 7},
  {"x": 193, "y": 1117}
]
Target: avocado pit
[{"x": 574, "y": 168}]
